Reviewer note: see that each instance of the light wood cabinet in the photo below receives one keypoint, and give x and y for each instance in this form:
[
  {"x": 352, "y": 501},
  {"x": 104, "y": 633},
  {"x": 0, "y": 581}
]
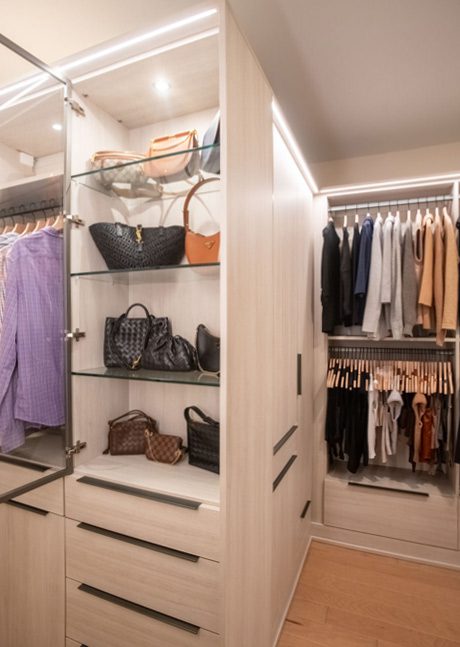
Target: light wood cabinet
[{"x": 32, "y": 584}]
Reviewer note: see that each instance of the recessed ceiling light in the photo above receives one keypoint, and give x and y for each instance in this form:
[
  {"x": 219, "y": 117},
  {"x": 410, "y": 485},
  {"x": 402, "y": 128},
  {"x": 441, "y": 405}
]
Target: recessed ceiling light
[
  {"x": 162, "y": 86},
  {"x": 57, "y": 127}
]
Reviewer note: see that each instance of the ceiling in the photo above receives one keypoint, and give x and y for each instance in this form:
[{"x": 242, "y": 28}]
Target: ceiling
[{"x": 353, "y": 77}]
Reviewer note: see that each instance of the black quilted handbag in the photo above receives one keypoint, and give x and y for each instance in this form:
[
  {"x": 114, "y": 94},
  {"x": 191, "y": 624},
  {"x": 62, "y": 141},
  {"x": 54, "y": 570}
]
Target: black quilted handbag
[
  {"x": 126, "y": 338},
  {"x": 167, "y": 352},
  {"x": 124, "y": 247},
  {"x": 203, "y": 440}
]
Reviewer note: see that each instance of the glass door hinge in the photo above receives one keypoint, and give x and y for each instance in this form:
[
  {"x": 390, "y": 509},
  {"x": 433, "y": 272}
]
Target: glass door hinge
[
  {"x": 76, "y": 107},
  {"x": 75, "y": 220},
  {"x": 75, "y": 449},
  {"x": 76, "y": 334}
]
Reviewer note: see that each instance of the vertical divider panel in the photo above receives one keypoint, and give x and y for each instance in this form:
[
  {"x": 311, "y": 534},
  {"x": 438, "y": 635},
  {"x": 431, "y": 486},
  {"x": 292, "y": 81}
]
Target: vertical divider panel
[{"x": 247, "y": 340}]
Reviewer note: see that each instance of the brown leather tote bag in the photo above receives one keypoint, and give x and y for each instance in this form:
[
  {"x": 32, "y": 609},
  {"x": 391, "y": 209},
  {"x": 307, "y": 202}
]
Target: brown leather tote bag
[{"x": 198, "y": 248}]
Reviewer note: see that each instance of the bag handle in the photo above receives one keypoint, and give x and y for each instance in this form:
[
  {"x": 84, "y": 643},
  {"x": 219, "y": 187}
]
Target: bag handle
[
  {"x": 134, "y": 413},
  {"x": 199, "y": 413},
  {"x": 185, "y": 134},
  {"x": 116, "y": 328},
  {"x": 190, "y": 194}
]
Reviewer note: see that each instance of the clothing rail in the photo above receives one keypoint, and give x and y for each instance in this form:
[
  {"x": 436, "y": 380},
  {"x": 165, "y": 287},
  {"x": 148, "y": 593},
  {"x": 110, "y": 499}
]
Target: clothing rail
[
  {"x": 394, "y": 354},
  {"x": 31, "y": 209},
  {"x": 390, "y": 203}
]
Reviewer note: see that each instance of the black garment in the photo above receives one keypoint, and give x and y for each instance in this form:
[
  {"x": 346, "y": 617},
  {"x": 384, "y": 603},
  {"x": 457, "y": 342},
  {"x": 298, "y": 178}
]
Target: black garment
[
  {"x": 406, "y": 423},
  {"x": 346, "y": 426},
  {"x": 358, "y": 301},
  {"x": 346, "y": 285},
  {"x": 458, "y": 243},
  {"x": 364, "y": 261},
  {"x": 330, "y": 279}
]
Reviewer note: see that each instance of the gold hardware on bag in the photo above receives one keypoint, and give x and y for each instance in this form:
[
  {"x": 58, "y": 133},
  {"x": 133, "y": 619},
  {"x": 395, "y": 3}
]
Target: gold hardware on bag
[
  {"x": 139, "y": 234},
  {"x": 136, "y": 362}
]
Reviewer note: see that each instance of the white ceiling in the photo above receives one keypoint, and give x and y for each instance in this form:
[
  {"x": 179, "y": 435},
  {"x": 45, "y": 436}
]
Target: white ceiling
[
  {"x": 360, "y": 77},
  {"x": 354, "y": 77}
]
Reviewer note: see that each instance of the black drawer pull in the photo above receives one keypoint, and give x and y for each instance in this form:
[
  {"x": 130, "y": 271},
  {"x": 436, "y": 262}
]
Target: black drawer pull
[
  {"x": 137, "y": 608},
  {"x": 158, "y": 548},
  {"x": 284, "y": 439},
  {"x": 28, "y": 508},
  {"x": 303, "y": 514},
  {"x": 299, "y": 374},
  {"x": 143, "y": 494},
  {"x": 284, "y": 471},
  {"x": 387, "y": 489}
]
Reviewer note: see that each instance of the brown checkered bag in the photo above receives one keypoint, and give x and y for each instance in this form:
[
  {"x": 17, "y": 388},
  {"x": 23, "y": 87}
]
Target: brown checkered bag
[{"x": 163, "y": 448}]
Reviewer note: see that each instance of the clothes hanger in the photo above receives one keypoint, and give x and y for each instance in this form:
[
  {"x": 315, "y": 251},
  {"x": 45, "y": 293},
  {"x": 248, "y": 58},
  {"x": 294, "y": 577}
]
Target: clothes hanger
[
  {"x": 9, "y": 227},
  {"x": 345, "y": 220},
  {"x": 19, "y": 227},
  {"x": 58, "y": 223}
]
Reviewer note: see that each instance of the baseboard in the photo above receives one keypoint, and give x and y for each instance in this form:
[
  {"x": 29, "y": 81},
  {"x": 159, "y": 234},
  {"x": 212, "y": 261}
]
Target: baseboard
[
  {"x": 291, "y": 596},
  {"x": 386, "y": 546}
]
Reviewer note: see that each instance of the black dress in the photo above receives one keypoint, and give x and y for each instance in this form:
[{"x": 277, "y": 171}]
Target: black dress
[
  {"x": 346, "y": 287},
  {"x": 330, "y": 279}
]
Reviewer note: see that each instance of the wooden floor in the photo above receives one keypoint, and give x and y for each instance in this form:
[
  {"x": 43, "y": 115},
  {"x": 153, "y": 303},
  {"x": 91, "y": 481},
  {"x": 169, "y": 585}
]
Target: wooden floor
[{"x": 347, "y": 598}]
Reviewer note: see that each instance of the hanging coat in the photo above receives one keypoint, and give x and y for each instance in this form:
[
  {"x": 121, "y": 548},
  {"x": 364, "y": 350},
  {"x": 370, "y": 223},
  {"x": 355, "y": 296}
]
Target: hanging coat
[
  {"x": 409, "y": 282},
  {"x": 330, "y": 279}
]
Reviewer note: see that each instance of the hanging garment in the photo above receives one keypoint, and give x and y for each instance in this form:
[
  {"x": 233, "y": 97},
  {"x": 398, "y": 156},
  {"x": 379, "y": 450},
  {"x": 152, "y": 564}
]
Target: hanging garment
[
  {"x": 358, "y": 301},
  {"x": 419, "y": 404},
  {"x": 450, "y": 302},
  {"x": 346, "y": 301},
  {"x": 364, "y": 261},
  {"x": 425, "y": 298},
  {"x": 6, "y": 243},
  {"x": 409, "y": 282},
  {"x": 396, "y": 313},
  {"x": 32, "y": 375},
  {"x": 373, "y": 402},
  {"x": 385, "y": 289},
  {"x": 395, "y": 404},
  {"x": 385, "y": 438},
  {"x": 356, "y": 430},
  {"x": 427, "y": 427},
  {"x": 407, "y": 425},
  {"x": 438, "y": 277},
  {"x": 418, "y": 256},
  {"x": 372, "y": 314},
  {"x": 330, "y": 279}
]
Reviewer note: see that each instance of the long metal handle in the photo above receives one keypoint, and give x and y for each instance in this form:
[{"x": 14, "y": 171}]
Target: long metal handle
[
  {"x": 387, "y": 489},
  {"x": 284, "y": 471},
  {"x": 303, "y": 514},
  {"x": 284, "y": 439},
  {"x": 158, "y": 548},
  {"x": 28, "y": 508},
  {"x": 299, "y": 374},
  {"x": 143, "y": 494},
  {"x": 137, "y": 608}
]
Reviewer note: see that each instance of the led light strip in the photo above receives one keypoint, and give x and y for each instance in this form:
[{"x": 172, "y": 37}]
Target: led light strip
[
  {"x": 408, "y": 183},
  {"x": 107, "y": 51},
  {"x": 288, "y": 137}
]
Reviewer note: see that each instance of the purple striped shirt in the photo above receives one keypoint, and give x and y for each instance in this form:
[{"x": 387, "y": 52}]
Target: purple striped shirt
[{"x": 32, "y": 380}]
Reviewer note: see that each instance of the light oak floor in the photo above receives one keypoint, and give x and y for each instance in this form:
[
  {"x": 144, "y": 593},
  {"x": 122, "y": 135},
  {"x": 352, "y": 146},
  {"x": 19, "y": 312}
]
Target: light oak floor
[{"x": 347, "y": 598}]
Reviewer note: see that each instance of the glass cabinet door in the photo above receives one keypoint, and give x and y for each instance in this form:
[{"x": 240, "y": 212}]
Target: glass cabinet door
[{"x": 34, "y": 430}]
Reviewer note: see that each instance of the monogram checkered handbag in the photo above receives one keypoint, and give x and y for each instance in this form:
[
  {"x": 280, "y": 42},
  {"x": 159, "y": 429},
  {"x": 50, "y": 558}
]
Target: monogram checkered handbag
[{"x": 163, "y": 448}]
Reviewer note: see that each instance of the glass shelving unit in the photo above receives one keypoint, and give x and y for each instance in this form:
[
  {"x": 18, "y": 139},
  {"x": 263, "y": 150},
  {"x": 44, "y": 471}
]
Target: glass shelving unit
[
  {"x": 149, "y": 189},
  {"x": 157, "y": 274},
  {"x": 196, "y": 378}
]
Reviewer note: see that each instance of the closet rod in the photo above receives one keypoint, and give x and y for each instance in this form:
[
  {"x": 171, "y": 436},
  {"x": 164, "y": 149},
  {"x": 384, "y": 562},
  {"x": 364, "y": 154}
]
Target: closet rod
[
  {"x": 27, "y": 212},
  {"x": 390, "y": 203}
]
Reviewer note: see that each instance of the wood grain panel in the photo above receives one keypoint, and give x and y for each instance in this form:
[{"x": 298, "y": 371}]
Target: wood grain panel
[
  {"x": 177, "y": 587},
  {"x": 153, "y": 521},
  {"x": 247, "y": 334},
  {"x": 122, "y": 627},
  {"x": 47, "y": 497},
  {"x": 428, "y": 520}
]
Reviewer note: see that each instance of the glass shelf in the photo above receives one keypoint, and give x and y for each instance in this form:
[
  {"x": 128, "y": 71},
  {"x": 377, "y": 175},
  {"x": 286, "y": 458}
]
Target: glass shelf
[
  {"x": 157, "y": 274},
  {"x": 173, "y": 377},
  {"x": 93, "y": 179}
]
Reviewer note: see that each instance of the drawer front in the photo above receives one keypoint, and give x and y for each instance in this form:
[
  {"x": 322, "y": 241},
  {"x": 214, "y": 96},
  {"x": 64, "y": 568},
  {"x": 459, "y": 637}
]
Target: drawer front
[
  {"x": 190, "y": 530},
  {"x": 100, "y": 620},
  {"x": 177, "y": 584},
  {"x": 430, "y": 520}
]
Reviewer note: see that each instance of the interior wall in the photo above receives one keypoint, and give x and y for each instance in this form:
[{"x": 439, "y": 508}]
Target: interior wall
[
  {"x": 10, "y": 167},
  {"x": 417, "y": 162}
]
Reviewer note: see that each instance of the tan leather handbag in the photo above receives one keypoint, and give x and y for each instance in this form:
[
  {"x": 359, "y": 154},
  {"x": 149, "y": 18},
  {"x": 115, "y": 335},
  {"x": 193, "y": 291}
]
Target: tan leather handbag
[
  {"x": 163, "y": 448},
  {"x": 199, "y": 248},
  {"x": 176, "y": 159}
]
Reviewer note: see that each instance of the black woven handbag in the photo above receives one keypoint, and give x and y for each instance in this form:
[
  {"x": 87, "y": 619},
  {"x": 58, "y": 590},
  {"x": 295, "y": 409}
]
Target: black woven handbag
[
  {"x": 167, "y": 352},
  {"x": 203, "y": 440},
  {"x": 124, "y": 247},
  {"x": 126, "y": 338},
  {"x": 208, "y": 350}
]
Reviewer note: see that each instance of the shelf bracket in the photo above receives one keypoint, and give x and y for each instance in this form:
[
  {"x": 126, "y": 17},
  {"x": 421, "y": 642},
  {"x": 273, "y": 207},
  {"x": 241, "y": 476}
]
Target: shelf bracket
[
  {"x": 76, "y": 334},
  {"x": 76, "y": 107},
  {"x": 75, "y": 449},
  {"x": 75, "y": 220}
]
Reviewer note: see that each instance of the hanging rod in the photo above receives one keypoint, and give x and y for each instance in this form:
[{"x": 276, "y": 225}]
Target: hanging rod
[
  {"x": 408, "y": 354},
  {"x": 390, "y": 203},
  {"x": 32, "y": 208}
]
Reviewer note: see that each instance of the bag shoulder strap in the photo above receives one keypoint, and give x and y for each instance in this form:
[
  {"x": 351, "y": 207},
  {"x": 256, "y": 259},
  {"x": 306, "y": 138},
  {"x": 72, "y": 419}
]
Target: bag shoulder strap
[
  {"x": 134, "y": 413},
  {"x": 189, "y": 196},
  {"x": 199, "y": 413}
]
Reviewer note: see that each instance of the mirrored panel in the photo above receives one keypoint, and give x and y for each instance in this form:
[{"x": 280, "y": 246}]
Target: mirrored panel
[{"x": 32, "y": 277}]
